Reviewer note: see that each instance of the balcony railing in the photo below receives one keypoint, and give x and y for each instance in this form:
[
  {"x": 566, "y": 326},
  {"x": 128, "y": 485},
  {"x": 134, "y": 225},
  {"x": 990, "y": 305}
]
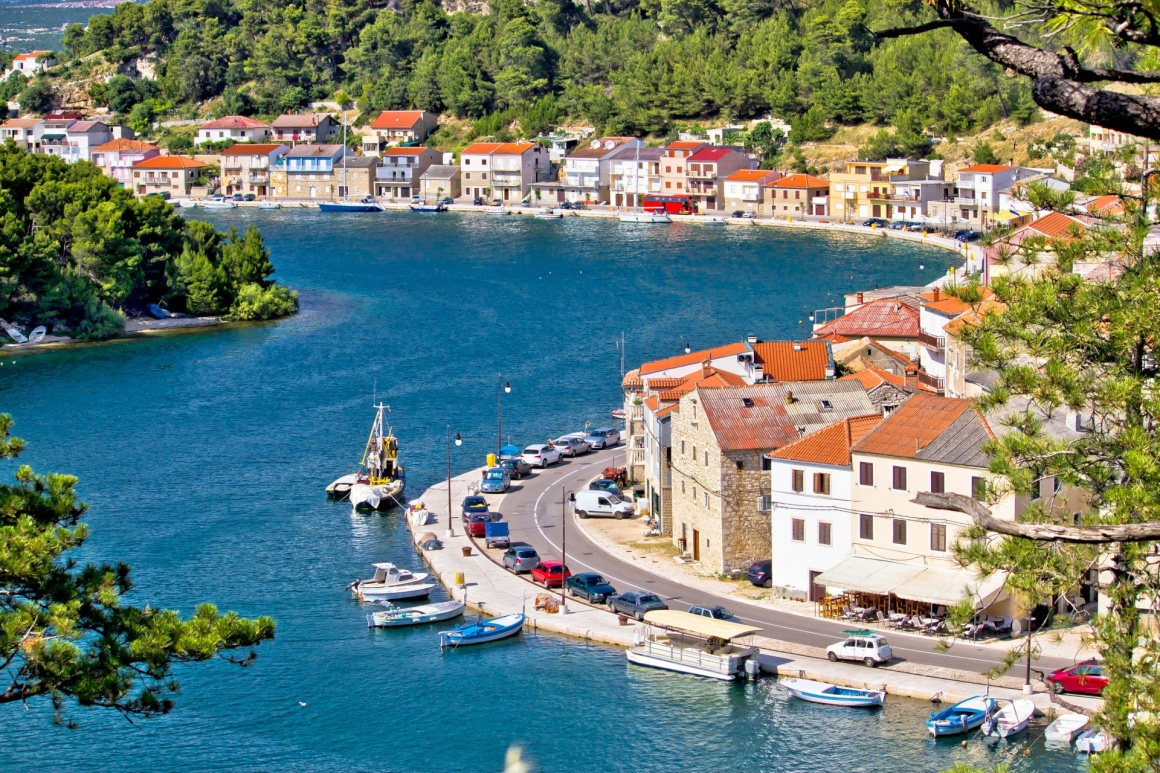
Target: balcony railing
[
  {"x": 393, "y": 174},
  {"x": 933, "y": 382},
  {"x": 933, "y": 342},
  {"x": 967, "y": 201}
]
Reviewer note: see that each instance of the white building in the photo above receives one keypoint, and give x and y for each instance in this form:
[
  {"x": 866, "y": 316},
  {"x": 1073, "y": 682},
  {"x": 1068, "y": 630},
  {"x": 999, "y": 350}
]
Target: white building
[
  {"x": 634, "y": 174},
  {"x": 503, "y": 170},
  {"x": 30, "y": 63},
  {"x": 587, "y": 173},
  {"x": 233, "y": 127}
]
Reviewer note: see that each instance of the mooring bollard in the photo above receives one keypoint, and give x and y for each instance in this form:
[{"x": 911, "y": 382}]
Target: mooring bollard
[{"x": 467, "y": 551}]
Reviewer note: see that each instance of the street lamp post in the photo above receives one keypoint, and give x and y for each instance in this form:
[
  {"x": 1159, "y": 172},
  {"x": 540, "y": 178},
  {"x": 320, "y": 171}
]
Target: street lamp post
[
  {"x": 500, "y": 389},
  {"x": 458, "y": 442},
  {"x": 565, "y": 497},
  {"x": 686, "y": 345}
]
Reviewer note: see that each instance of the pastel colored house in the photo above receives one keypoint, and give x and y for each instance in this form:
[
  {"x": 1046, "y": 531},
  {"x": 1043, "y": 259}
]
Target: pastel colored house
[
  {"x": 441, "y": 181},
  {"x": 395, "y": 127},
  {"x": 797, "y": 195},
  {"x": 635, "y": 173},
  {"x": 673, "y": 180},
  {"x": 401, "y": 169},
  {"x": 117, "y": 158},
  {"x": 306, "y": 127},
  {"x": 706, "y": 171},
  {"x": 54, "y": 135},
  {"x": 233, "y": 127},
  {"x": 503, "y": 170},
  {"x": 81, "y": 137},
  {"x": 744, "y": 189},
  {"x": 307, "y": 171},
  {"x": 245, "y": 168},
  {"x": 167, "y": 175},
  {"x": 25, "y": 132},
  {"x": 31, "y": 63},
  {"x": 587, "y": 172},
  {"x": 976, "y": 195}
]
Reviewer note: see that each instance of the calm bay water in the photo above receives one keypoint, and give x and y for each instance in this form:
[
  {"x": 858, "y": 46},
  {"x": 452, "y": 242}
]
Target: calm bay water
[{"x": 204, "y": 456}]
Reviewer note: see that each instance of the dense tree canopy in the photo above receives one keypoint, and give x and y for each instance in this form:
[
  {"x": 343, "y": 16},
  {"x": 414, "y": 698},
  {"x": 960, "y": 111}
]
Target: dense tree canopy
[
  {"x": 624, "y": 65},
  {"x": 66, "y": 633},
  {"x": 77, "y": 250}
]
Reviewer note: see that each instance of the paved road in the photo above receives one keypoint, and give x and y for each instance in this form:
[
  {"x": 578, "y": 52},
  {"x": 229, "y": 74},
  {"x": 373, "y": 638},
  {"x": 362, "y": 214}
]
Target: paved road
[{"x": 533, "y": 510}]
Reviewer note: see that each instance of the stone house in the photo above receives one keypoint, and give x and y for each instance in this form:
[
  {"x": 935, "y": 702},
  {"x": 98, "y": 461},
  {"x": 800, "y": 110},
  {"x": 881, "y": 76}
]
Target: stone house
[
  {"x": 307, "y": 171},
  {"x": 440, "y": 181},
  {"x": 245, "y": 168},
  {"x": 356, "y": 177},
  {"x": 721, "y": 439}
]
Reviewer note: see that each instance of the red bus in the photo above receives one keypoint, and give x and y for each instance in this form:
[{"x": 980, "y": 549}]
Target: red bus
[{"x": 671, "y": 205}]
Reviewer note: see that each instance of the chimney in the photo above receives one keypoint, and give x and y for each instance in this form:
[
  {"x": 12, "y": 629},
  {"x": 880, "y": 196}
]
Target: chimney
[
  {"x": 936, "y": 293},
  {"x": 797, "y": 346},
  {"x": 859, "y": 296},
  {"x": 751, "y": 338},
  {"x": 788, "y": 397}
]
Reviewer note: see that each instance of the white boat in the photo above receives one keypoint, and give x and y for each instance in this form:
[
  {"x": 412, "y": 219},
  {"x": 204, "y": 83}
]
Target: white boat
[
  {"x": 1011, "y": 719},
  {"x": 549, "y": 214},
  {"x": 37, "y": 334},
  {"x": 714, "y": 220},
  {"x": 483, "y": 631},
  {"x": 269, "y": 205},
  {"x": 645, "y": 217},
  {"x": 340, "y": 489},
  {"x": 379, "y": 482},
  {"x": 14, "y": 332},
  {"x": 413, "y": 590},
  {"x": 1093, "y": 741},
  {"x": 832, "y": 695},
  {"x": 386, "y": 576},
  {"x": 219, "y": 204},
  {"x": 1065, "y": 728},
  {"x": 187, "y": 204},
  {"x": 618, "y": 413},
  {"x": 497, "y": 211},
  {"x": 691, "y": 644},
  {"x": 396, "y": 617}
]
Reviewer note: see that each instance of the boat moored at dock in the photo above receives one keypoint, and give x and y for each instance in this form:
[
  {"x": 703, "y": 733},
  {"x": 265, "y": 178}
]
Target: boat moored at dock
[
  {"x": 692, "y": 644},
  {"x": 1011, "y": 719},
  {"x": 962, "y": 717},
  {"x": 379, "y": 482},
  {"x": 1093, "y": 741},
  {"x": 832, "y": 695},
  {"x": 482, "y": 631},
  {"x": 1065, "y": 728},
  {"x": 386, "y": 576},
  {"x": 366, "y": 204},
  {"x": 396, "y": 617}
]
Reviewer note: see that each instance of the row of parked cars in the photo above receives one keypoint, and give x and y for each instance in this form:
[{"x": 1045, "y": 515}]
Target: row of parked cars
[{"x": 517, "y": 466}]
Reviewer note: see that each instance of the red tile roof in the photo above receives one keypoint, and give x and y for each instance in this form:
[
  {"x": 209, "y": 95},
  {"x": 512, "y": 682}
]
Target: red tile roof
[
  {"x": 705, "y": 377},
  {"x": 252, "y": 149},
  {"x": 809, "y": 362},
  {"x": 710, "y": 154},
  {"x": 800, "y": 181},
  {"x": 830, "y": 445},
  {"x": 1055, "y": 225},
  {"x": 987, "y": 168},
  {"x": 915, "y": 425},
  {"x": 760, "y": 417},
  {"x": 632, "y": 379},
  {"x": 234, "y": 122},
  {"x": 685, "y": 145},
  {"x": 397, "y": 119},
  {"x": 122, "y": 145},
  {"x": 498, "y": 148},
  {"x": 169, "y": 162},
  {"x": 299, "y": 121},
  {"x": 692, "y": 358},
  {"x": 883, "y": 318},
  {"x": 1110, "y": 204},
  {"x": 947, "y": 305},
  {"x": 30, "y": 55}
]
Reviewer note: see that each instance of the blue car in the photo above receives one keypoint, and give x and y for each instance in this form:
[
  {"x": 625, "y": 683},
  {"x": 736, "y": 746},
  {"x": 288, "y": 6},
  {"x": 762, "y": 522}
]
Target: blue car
[
  {"x": 594, "y": 588},
  {"x": 495, "y": 480}
]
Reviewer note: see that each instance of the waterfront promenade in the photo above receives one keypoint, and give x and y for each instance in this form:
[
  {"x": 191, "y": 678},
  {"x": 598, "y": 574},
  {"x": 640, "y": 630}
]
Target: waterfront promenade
[{"x": 794, "y": 645}]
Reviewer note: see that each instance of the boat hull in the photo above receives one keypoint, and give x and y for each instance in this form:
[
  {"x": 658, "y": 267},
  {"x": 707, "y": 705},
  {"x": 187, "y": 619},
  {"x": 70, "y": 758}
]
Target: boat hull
[
  {"x": 1092, "y": 742},
  {"x": 419, "y": 590},
  {"x": 478, "y": 633},
  {"x": 644, "y": 217},
  {"x": 340, "y": 489},
  {"x": 830, "y": 695},
  {"x": 962, "y": 717},
  {"x": 430, "y": 613},
  {"x": 380, "y": 497},
  {"x": 1064, "y": 729},
  {"x": 652, "y": 661},
  {"x": 428, "y": 208},
  {"x": 339, "y": 206}
]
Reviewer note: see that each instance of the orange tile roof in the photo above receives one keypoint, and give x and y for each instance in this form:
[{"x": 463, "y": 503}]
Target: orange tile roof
[
  {"x": 886, "y": 317},
  {"x": 1106, "y": 205},
  {"x": 397, "y": 119},
  {"x": 915, "y": 425},
  {"x": 1055, "y": 225},
  {"x": 800, "y": 181},
  {"x": 685, "y": 145},
  {"x": 987, "y": 168},
  {"x": 252, "y": 149},
  {"x": 500, "y": 148},
  {"x": 972, "y": 316},
  {"x": 632, "y": 379},
  {"x": 947, "y": 305},
  {"x": 653, "y": 402},
  {"x": 705, "y": 377},
  {"x": 122, "y": 144},
  {"x": 782, "y": 363},
  {"x": 404, "y": 151},
  {"x": 692, "y": 358},
  {"x": 169, "y": 162},
  {"x": 750, "y": 175},
  {"x": 665, "y": 382},
  {"x": 21, "y": 123},
  {"x": 480, "y": 148},
  {"x": 30, "y": 55},
  {"x": 871, "y": 376},
  {"x": 833, "y": 338},
  {"x": 830, "y": 445}
]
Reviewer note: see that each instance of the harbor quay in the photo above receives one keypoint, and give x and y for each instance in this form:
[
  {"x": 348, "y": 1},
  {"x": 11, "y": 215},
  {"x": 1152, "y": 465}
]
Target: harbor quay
[{"x": 474, "y": 574}]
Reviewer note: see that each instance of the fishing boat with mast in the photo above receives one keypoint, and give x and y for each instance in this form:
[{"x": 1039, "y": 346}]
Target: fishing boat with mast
[
  {"x": 366, "y": 204},
  {"x": 379, "y": 483}
]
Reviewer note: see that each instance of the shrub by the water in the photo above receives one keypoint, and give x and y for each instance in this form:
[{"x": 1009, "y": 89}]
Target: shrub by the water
[{"x": 255, "y": 302}]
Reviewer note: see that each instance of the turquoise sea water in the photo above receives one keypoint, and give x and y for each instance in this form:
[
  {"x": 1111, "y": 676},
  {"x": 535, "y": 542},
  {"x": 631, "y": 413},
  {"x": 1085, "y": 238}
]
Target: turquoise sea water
[{"x": 204, "y": 457}]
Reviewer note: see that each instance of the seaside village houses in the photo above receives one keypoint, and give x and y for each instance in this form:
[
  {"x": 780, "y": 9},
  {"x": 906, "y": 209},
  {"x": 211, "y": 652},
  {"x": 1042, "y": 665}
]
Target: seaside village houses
[
  {"x": 233, "y": 127},
  {"x": 398, "y": 127},
  {"x": 245, "y": 168},
  {"x": 308, "y": 127},
  {"x": 399, "y": 171},
  {"x": 503, "y": 170},
  {"x": 309, "y": 172}
]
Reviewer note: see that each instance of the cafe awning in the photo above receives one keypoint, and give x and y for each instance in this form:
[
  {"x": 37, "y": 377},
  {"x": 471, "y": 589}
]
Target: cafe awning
[
  {"x": 933, "y": 585},
  {"x": 870, "y": 575},
  {"x": 707, "y": 627}
]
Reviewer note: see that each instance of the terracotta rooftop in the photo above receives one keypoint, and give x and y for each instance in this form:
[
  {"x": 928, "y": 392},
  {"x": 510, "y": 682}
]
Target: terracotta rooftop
[
  {"x": 710, "y": 154},
  {"x": 705, "y": 377},
  {"x": 234, "y": 122},
  {"x": 1106, "y": 205},
  {"x": 665, "y": 382},
  {"x": 169, "y": 162},
  {"x": 972, "y": 316},
  {"x": 947, "y": 305},
  {"x": 397, "y": 119},
  {"x": 252, "y": 149},
  {"x": 987, "y": 168},
  {"x": 885, "y": 318},
  {"x": 685, "y": 145},
  {"x": 123, "y": 145},
  {"x": 1055, "y": 225},
  {"x": 751, "y": 175},
  {"x": 632, "y": 379},
  {"x": 20, "y": 123},
  {"x": 800, "y": 181},
  {"x": 830, "y": 445},
  {"x": 498, "y": 148},
  {"x": 300, "y": 121},
  {"x": 30, "y": 55},
  {"x": 768, "y": 416},
  {"x": 940, "y": 429},
  {"x": 600, "y": 150},
  {"x": 692, "y": 358},
  {"x": 795, "y": 360},
  {"x": 413, "y": 151}
]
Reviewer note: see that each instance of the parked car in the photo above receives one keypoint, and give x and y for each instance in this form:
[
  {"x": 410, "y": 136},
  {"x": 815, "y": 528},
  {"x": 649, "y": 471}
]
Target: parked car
[
  {"x": 495, "y": 480},
  {"x": 215, "y": 197},
  {"x": 160, "y": 194},
  {"x": 594, "y": 588},
  {"x": 1088, "y": 677},
  {"x": 551, "y": 574},
  {"x": 738, "y": 213},
  {"x": 606, "y": 437},
  {"x": 897, "y": 225},
  {"x": 521, "y": 559},
  {"x": 761, "y": 573},
  {"x": 517, "y": 468},
  {"x": 249, "y": 197},
  {"x": 572, "y": 446},
  {"x": 446, "y": 200},
  {"x": 497, "y": 202},
  {"x": 478, "y": 201},
  {"x": 874, "y": 221},
  {"x": 604, "y": 484},
  {"x": 598, "y": 503},
  {"x": 541, "y": 455},
  {"x": 717, "y": 613},
  {"x": 477, "y": 524},
  {"x": 635, "y": 603},
  {"x": 237, "y": 197},
  {"x": 868, "y": 647},
  {"x": 473, "y": 505},
  {"x": 750, "y": 215}
]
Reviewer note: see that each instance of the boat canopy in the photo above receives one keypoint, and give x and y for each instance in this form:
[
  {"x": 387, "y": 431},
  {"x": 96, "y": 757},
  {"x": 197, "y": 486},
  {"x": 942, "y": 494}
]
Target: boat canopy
[
  {"x": 384, "y": 567},
  {"x": 919, "y": 583},
  {"x": 708, "y": 627}
]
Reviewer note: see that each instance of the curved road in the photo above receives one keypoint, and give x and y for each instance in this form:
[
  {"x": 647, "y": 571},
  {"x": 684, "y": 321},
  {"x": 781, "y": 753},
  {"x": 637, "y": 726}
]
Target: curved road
[{"x": 533, "y": 509}]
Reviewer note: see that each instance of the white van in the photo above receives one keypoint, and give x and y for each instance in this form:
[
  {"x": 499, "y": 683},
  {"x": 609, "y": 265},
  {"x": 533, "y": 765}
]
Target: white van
[{"x": 590, "y": 502}]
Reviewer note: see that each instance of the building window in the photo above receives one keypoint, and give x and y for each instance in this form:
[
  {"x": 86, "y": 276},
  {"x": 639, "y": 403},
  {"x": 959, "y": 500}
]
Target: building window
[
  {"x": 764, "y": 503},
  {"x": 937, "y": 483},
  {"x": 706, "y": 458},
  {"x": 799, "y": 480},
  {"x": 978, "y": 488},
  {"x": 1056, "y": 485},
  {"x": 706, "y": 499},
  {"x": 799, "y": 530},
  {"x": 823, "y": 533},
  {"x": 1037, "y": 490},
  {"x": 899, "y": 531},
  {"x": 766, "y": 463},
  {"x": 694, "y": 453},
  {"x": 899, "y": 483},
  {"x": 865, "y": 526},
  {"x": 822, "y": 483},
  {"x": 938, "y": 537},
  {"x": 866, "y": 473}
]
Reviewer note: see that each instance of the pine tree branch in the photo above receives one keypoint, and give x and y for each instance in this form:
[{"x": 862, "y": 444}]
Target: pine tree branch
[{"x": 1044, "y": 532}]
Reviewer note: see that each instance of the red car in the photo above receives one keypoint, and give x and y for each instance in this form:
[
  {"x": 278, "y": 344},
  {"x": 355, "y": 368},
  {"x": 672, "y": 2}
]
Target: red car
[
  {"x": 477, "y": 526},
  {"x": 1088, "y": 677},
  {"x": 550, "y": 573}
]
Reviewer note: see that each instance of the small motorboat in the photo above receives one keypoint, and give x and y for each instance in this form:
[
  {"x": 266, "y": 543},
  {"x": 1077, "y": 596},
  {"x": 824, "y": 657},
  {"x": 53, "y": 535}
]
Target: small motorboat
[
  {"x": 618, "y": 413},
  {"x": 1065, "y": 728},
  {"x": 414, "y": 590},
  {"x": 340, "y": 489},
  {"x": 366, "y": 204},
  {"x": 1011, "y": 719},
  {"x": 219, "y": 205},
  {"x": 425, "y": 207},
  {"x": 645, "y": 217},
  {"x": 549, "y": 214},
  {"x": 1093, "y": 741},
  {"x": 37, "y": 334},
  {"x": 482, "y": 631},
  {"x": 497, "y": 211},
  {"x": 832, "y": 695},
  {"x": 269, "y": 205},
  {"x": 187, "y": 204},
  {"x": 961, "y": 717},
  {"x": 396, "y": 617},
  {"x": 713, "y": 221},
  {"x": 158, "y": 313},
  {"x": 386, "y": 576}
]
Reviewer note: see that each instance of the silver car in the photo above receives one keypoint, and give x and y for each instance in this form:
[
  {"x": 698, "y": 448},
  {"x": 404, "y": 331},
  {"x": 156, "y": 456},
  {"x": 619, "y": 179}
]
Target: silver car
[
  {"x": 572, "y": 445},
  {"x": 521, "y": 559},
  {"x": 603, "y": 438}
]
